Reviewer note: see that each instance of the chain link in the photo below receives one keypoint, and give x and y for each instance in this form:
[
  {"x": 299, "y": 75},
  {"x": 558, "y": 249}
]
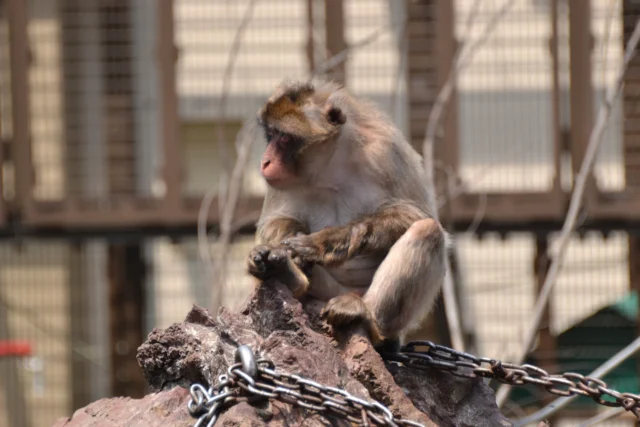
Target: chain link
[
  {"x": 236, "y": 385},
  {"x": 249, "y": 380},
  {"x": 469, "y": 366}
]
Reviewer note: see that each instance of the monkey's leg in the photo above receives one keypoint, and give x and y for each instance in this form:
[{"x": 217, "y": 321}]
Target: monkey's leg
[
  {"x": 403, "y": 288},
  {"x": 324, "y": 286},
  {"x": 409, "y": 279}
]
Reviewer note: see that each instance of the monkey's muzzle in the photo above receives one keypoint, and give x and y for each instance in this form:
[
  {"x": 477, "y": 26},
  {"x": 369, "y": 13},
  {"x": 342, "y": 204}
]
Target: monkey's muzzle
[{"x": 278, "y": 161}]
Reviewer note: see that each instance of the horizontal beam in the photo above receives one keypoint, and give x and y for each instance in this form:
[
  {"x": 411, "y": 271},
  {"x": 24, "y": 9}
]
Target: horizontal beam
[
  {"x": 127, "y": 212},
  {"x": 507, "y": 207},
  {"x": 122, "y": 234},
  {"x": 499, "y": 212}
]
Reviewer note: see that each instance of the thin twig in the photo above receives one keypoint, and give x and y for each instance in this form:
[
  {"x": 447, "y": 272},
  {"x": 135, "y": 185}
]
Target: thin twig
[
  {"x": 478, "y": 216},
  {"x": 603, "y": 416},
  {"x": 227, "y": 202},
  {"x": 342, "y": 56},
  {"x": 595, "y": 140},
  {"x": 599, "y": 372},
  {"x": 402, "y": 64}
]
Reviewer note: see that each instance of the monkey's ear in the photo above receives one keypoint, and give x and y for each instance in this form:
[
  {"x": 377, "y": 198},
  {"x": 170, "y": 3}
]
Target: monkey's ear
[{"x": 336, "y": 116}]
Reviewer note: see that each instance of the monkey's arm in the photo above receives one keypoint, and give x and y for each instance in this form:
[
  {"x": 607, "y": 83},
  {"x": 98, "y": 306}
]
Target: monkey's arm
[
  {"x": 371, "y": 234},
  {"x": 273, "y": 231}
]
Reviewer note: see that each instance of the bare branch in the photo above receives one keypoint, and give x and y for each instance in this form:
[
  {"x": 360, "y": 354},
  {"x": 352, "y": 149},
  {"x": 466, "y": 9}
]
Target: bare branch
[
  {"x": 216, "y": 268},
  {"x": 603, "y": 416},
  {"x": 574, "y": 206},
  {"x": 342, "y": 56}
]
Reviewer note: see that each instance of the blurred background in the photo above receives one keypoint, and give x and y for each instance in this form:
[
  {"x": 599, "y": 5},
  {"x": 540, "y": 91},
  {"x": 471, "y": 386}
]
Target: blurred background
[{"x": 117, "y": 116}]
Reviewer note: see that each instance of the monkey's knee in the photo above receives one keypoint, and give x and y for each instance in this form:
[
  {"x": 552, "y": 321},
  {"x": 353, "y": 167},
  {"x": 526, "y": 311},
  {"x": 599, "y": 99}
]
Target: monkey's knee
[{"x": 427, "y": 230}]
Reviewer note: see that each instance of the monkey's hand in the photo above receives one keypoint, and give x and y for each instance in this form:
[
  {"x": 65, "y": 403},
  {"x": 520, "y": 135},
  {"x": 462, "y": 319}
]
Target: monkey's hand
[
  {"x": 348, "y": 311},
  {"x": 330, "y": 246},
  {"x": 266, "y": 262}
]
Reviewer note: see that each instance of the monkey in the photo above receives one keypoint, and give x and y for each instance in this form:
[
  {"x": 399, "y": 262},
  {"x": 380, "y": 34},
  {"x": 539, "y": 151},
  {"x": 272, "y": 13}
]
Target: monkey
[{"x": 348, "y": 216}]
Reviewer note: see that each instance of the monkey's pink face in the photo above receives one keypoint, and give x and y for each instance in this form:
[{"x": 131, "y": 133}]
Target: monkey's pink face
[{"x": 279, "y": 161}]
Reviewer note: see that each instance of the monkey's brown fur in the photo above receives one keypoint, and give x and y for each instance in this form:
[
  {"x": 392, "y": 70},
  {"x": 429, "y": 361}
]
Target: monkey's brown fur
[{"x": 348, "y": 215}]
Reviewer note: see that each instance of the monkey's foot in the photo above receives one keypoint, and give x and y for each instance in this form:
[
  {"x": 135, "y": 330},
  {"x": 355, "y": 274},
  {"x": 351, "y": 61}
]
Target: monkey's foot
[
  {"x": 349, "y": 311},
  {"x": 266, "y": 262},
  {"x": 388, "y": 345}
]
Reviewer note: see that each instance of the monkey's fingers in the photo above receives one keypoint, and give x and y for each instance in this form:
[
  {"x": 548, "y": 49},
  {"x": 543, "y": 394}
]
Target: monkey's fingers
[
  {"x": 263, "y": 261},
  {"x": 304, "y": 247}
]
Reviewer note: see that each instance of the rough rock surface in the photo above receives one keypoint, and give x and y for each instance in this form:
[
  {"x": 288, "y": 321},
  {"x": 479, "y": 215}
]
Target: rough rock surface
[{"x": 278, "y": 327}]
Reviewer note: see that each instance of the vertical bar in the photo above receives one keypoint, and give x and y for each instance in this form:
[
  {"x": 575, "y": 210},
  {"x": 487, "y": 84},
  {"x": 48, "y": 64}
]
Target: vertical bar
[
  {"x": 581, "y": 98},
  {"x": 311, "y": 63},
  {"x": 634, "y": 276},
  {"x": 2, "y": 148},
  {"x": 547, "y": 343},
  {"x": 631, "y": 96},
  {"x": 421, "y": 66},
  {"x": 18, "y": 413},
  {"x": 78, "y": 327},
  {"x": 334, "y": 25},
  {"x": 126, "y": 272},
  {"x": 446, "y": 149},
  {"x": 172, "y": 153},
  {"x": 555, "y": 96},
  {"x": 19, "y": 66},
  {"x": 146, "y": 91}
]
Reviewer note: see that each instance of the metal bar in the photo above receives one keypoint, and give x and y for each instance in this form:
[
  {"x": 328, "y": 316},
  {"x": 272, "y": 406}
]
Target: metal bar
[
  {"x": 172, "y": 150},
  {"x": 631, "y": 94},
  {"x": 310, "y": 48},
  {"x": 634, "y": 273},
  {"x": 547, "y": 342},
  {"x": 447, "y": 150},
  {"x": 20, "y": 99},
  {"x": 128, "y": 212},
  {"x": 514, "y": 211},
  {"x": 555, "y": 97},
  {"x": 334, "y": 34},
  {"x": 2, "y": 148},
  {"x": 18, "y": 413},
  {"x": 126, "y": 279},
  {"x": 581, "y": 97}
]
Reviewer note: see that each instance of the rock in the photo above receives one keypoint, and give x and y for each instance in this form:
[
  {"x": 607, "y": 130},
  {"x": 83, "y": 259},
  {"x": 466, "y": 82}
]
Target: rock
[
  {"x": 166, "y": 408},
  {"x": 291, "y": 335}
]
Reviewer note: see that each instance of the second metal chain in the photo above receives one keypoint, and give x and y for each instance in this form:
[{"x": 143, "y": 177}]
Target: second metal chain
[{"x": 469, "y": 366}]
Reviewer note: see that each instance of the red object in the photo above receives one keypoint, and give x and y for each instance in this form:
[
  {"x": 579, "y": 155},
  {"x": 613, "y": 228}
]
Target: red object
[{"x": 14, "y": 348}]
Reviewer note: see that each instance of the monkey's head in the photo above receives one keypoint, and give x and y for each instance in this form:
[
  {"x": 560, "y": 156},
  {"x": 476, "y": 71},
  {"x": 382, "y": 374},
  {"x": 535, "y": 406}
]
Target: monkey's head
[{"x": 300, "y": 121}]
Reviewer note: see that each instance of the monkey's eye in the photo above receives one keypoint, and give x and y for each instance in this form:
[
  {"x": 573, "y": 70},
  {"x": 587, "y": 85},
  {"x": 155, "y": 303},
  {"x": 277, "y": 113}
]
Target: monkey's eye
[{"x": 269, "y": 134}]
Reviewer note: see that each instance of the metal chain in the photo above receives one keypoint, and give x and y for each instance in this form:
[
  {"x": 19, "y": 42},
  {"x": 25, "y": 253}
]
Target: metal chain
[
  {"x": 249, "y": 379},
  {"x": 466, "y": 365}
]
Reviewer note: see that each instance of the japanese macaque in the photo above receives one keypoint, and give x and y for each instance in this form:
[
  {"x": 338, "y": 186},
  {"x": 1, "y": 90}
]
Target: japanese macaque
[{"x": 348, "y": 217}]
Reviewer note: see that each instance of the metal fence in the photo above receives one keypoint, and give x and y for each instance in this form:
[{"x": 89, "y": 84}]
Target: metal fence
[{"x": 120, "y": 105}]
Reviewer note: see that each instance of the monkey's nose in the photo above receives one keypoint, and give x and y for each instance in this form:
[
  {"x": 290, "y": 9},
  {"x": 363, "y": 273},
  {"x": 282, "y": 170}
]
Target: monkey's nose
[{"x": 266, "y": 163}]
